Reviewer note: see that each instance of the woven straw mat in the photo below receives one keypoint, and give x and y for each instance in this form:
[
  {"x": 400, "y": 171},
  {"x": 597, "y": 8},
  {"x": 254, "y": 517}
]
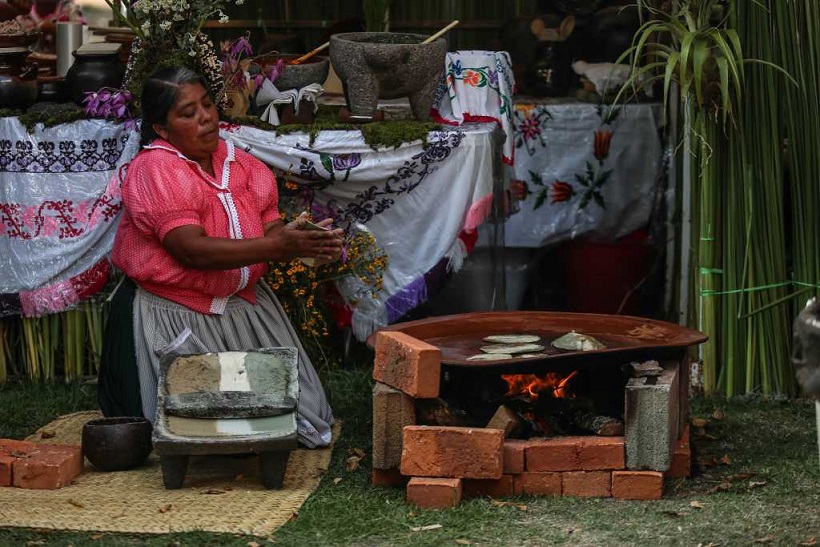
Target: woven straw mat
[{"x": 220, "y": 494}]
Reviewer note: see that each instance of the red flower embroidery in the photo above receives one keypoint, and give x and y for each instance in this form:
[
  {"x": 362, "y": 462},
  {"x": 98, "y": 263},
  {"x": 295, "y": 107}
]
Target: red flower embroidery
[
  {"x": 471, "y": 77},
  {"x": 602, "y": 141},
  {"x": 561, "y": 191}
]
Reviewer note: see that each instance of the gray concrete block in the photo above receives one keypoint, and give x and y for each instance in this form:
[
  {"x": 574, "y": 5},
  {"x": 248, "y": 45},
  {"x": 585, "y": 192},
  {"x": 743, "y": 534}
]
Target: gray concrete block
[
  {"x": 392, "y": 410},
  {"x": 651, "y": 419}
]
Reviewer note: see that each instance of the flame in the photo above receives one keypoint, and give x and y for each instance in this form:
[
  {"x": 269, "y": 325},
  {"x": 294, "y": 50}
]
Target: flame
[{"x": 531, "y": 386}]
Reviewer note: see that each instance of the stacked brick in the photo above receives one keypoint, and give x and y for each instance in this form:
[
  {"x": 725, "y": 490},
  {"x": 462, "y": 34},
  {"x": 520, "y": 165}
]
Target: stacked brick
[
  {"x": 441, "y": 465},
  {"x": 38, "y": 466}
]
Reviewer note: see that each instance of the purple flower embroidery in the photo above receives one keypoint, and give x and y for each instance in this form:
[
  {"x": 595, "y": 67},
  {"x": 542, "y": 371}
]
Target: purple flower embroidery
[
  {"x": 492, "y": 75},
  {"x": 346, "y": 162}
]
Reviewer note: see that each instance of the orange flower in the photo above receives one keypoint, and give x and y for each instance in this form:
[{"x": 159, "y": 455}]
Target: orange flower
[
  {"x": 602, "y": 141},
  {"x": 471, "y": 77},
  {"x": 561, "y": 191}
]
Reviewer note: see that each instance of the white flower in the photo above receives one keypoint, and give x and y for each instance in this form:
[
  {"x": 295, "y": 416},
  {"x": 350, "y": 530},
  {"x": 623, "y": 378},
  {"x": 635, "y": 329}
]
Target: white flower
[{"x": 165, "y": 25}]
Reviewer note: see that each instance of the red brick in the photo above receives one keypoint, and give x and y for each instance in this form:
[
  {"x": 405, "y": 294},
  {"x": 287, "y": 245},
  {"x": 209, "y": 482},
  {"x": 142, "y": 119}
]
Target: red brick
[
  {"x": 6, "y": 463},
  {"x": 681, "y": 458},
  {"x": 587, "y": 484},
  {"x": 538, "y": 484},
  {"x": 495, "y": 488},
  {"x": 553, "y": 454},
  {"x": 12, "y": 447},
  {"x": 599, "y": 453},
  {"x": 514, "y": 451},
  {"x": 392, "y": 410},
  {"x": 387, "y": 477},
  {"x": 637, "y": 485},
  {"x": 461, "y": 452},
  {"x": 52, "y": 466},
  {"x": 430, "y": 493},
  {"x": 408, "y": 364}
]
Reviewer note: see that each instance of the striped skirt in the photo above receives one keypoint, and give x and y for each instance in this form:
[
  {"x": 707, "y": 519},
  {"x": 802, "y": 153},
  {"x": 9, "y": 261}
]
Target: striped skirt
[{"x": 162, "y": 327}]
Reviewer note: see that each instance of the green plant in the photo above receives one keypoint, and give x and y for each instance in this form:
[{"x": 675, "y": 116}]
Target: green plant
[
  {"x": 690, "y": 43},
  {"x": 376, "y": 15}
]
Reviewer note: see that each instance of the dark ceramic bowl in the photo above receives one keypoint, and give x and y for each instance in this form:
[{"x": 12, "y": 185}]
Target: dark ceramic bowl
[
  {"x": 312, "y": 71},
  {"x": 116, "y": 444}
]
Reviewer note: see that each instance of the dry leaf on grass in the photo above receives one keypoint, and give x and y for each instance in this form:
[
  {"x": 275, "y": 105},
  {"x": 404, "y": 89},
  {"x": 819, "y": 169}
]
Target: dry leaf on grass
[
  {"x": 464, "y": 542},
  {"x": 673, "y": 513},
  {"x": 767, "y": 539},
  {"x": 722, "y": 487},
  {"x": 254, "y": 544},
  {"x": 294, "y": 515},
  {"x": 97, "y": 536},
  {"x": 718, "y": 415},
  {"x": 357, "y": 452},
  {"x": 756, "y": 484},
  {"x": 737, "y": 477},
  {"x": 36, "y": 542},
  {"x": 337, "y": 480},
  {"x": 710, "y": 544},
  {"x": 165, "y": 508},
  {"x": 425, "y": 528},
  {"x": 810, "y": 542},
  {"x": 708, "y": 462},
  {"x": 726, "y": 460},
  {"x": 499, "y": 503},
  {"x": 352, "y": 464},
  {"x": 76, "y": 503},
  {"x": 699, "y": 422},
  {"x": 695, "y": 504}
]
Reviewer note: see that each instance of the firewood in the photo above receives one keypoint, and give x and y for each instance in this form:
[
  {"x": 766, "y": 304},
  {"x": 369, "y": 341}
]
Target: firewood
[
  {"x": 506, "y": 420},
  {"x": 603, "y": 426},
  {"x": 438, "y": 412},
  {"x": 641, "y": 370}
]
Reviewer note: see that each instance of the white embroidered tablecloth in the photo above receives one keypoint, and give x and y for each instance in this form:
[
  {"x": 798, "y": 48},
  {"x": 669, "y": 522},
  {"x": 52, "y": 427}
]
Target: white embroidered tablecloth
[
  {"x": 59, "y": 210},
  {"x": 415, "y": 201},
  {"x": 589, "y": 170}
]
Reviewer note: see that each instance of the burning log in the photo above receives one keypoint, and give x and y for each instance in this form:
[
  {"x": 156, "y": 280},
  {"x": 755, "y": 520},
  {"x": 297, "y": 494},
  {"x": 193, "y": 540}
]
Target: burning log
[
  {"x": 505, "y": 419},
  {"x": 641, "y": 370},
  {"x": 439, "y": 412},
  {"x": 604, "y": 426}
]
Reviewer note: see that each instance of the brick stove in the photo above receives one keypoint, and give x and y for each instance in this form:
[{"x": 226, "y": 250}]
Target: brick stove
[{"x": 415, "y": 370}]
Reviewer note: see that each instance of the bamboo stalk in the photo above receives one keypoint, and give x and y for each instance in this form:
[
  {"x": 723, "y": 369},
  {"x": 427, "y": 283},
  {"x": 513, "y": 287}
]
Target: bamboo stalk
[{"x": 440, "y": 33}]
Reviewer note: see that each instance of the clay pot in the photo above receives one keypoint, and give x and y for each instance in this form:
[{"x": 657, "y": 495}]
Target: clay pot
[
  {"x": 312, "y": 71},
  {"x": 117, "y": 444},
  {"x": 91, "y": 72},
  {"x": 18, "y": 80},
  {"x": 550, "y": 74},
  {"x": 387, "y": 65}
]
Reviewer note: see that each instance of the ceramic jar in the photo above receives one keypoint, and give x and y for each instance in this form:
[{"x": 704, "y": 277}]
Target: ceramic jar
[
  {"x": 550, "y": 74},
  {"x": 92, "y": 71},
  {"x": 18, "y": 78}
]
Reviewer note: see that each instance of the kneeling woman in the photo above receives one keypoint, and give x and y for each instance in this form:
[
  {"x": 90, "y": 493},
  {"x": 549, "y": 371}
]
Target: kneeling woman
[{"x": 201, "y": 221}]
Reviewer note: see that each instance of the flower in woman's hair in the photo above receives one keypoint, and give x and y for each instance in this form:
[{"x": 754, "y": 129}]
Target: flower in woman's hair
[{"x": 561, "y": 191}]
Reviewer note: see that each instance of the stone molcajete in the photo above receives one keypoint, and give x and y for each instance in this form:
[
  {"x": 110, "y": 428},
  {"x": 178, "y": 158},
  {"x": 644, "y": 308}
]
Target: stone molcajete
[{"x": 387, "y": 65}]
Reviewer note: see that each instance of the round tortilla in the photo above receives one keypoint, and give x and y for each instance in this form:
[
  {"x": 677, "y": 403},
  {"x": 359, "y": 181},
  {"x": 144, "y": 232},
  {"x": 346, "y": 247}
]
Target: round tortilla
[
  {"x": 512, "y": 338},
  {"x": 512, "y": 348},
  {"x": 489, "y": 357}
]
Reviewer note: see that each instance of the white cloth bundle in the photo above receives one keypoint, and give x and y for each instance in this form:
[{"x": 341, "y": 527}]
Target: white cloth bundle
[{"x": 270, "y": 96}]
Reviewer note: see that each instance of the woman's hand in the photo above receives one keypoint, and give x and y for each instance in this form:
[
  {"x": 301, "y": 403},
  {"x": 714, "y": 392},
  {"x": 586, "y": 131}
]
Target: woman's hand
[{"x": 298, "y": 239}]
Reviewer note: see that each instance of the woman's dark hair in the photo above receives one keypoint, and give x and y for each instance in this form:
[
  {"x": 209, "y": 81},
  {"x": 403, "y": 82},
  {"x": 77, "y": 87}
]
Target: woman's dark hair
[{"x": 159, "y": 94}]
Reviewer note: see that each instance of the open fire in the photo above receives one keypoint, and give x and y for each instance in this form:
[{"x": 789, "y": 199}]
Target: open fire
[{"x": 531, "y": 386}]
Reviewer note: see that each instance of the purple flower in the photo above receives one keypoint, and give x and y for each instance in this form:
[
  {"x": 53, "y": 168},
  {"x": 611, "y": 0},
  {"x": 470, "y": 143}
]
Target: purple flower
[
  {"x": 108, "y": 103},
  {"x": 344, "y": 162},
  {"x": 241, "y": 47}
]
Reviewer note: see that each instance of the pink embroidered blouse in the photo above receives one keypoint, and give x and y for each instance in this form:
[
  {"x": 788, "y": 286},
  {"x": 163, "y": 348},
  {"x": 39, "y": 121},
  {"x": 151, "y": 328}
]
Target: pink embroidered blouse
[{"x": 164, "y": 190}]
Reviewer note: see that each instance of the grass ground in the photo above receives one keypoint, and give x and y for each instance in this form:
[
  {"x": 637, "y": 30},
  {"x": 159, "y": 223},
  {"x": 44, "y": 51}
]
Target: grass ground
[{"x": 757, "y": 483}]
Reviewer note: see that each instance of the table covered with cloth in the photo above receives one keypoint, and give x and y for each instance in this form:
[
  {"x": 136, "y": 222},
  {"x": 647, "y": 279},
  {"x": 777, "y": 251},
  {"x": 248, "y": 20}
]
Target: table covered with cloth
[
  {"x": 590, "y": 170},
  {"x": 60, "y": 205}
]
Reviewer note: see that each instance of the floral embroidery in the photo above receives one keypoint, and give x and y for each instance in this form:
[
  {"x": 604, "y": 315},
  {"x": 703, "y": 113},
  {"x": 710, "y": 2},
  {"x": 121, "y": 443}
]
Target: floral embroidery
[
  {"x": 594, "y": 177},
  {"x": 67, "y": 219},
  {"x": 92, "y": 155},
  {"x": 529, "y": 128}
]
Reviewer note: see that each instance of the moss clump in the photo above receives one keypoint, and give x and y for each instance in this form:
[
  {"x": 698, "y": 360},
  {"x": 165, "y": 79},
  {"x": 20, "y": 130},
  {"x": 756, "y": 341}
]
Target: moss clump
[
  {"x": 48, "y": 115},
  {"x": 388, "y": 134}
]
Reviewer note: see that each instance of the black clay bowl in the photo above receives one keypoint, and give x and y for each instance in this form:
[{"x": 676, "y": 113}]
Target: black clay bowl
[{"x": 116, "y": 444}]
